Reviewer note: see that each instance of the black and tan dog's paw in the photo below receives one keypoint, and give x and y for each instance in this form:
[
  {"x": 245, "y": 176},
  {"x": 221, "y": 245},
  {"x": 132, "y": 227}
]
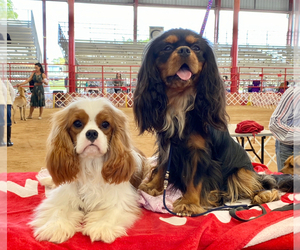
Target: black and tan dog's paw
[
  {"x": 187, "y": 209},
  {"x": 266, "y": 196},
  {"x": 149, "y": 189}
]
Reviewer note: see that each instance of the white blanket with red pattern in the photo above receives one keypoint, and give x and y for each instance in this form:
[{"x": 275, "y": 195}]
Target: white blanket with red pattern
[{"x": 216, "y": 230}]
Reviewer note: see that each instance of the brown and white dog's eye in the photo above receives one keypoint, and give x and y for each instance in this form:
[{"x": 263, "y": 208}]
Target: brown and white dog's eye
[
  {"x": 105, "y": 124},
  {"x": 77, "y": 124}
]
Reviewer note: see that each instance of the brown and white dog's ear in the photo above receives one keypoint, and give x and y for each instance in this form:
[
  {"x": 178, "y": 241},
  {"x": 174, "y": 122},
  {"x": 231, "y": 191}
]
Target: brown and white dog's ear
[
  {"x": 288, "y": 167},
  {"x": 297, "y": 165},
  {"x": 61, "y": 160},
  {"x": 119, "y": 164}
]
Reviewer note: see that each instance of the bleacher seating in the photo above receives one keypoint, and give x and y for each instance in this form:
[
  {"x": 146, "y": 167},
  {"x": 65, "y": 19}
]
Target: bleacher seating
[
  {"x": 107, "y": 53},
  {"x": 87, "y": 52},
  {"x": 110, "y": 54},
  {"x": 22, "y": 48},
  {"x": 260, "y": 56},
  {"x": 113, "y": 56},
  {"x": 105, "y": 58}
]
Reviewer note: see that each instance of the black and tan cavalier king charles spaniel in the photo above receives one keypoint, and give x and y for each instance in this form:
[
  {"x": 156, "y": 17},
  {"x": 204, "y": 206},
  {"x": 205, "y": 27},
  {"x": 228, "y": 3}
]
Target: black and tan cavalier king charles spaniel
[{"x": 180, "y": 96}]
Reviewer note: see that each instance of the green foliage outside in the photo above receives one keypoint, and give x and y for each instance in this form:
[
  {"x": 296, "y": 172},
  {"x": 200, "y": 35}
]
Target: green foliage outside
[
  {"x": 7, "y": 10},
  {"x": 144, "y": 41},
  {"x": 57, "y": 85},
  {"x": 59, "y": 60}
]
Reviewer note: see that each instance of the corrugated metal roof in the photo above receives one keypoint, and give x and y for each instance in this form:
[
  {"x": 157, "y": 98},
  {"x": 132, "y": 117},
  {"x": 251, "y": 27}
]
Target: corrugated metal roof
[
  {"x": 260, "y": 5},
  {"x": 273, "y": 5},
  {"x": 276, "y": 5},
  {"x": 249, "y": 4},
  {"x": 194, "y": 3},
  {"x": 104, "y": 1},
  {"x": 227, "y": 4}
]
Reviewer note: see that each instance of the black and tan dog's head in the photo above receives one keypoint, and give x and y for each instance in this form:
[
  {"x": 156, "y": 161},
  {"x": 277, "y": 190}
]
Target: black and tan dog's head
[
  {"x": 178, "y": 74},
  {"x": 180, "y": 60}
]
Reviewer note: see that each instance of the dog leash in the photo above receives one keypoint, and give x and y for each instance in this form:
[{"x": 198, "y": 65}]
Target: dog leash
[
  {"x": 166, "y": 183},
  {"x": 290, "y": 206},
  {"x": 233, "y": 209}
]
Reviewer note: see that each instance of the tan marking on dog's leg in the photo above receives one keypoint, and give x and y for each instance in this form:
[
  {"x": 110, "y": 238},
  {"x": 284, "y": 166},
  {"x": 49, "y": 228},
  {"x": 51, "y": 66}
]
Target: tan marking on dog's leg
[
  {"x": 190, "y": 202},
  {"x": 154, "y": 186},
  {"x": 266, "y": 196},
  {"x": 243, "y": 184}
]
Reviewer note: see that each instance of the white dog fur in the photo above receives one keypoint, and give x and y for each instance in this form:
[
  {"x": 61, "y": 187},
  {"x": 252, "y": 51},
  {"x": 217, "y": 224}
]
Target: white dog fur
[{"x": 94, "y": 176}]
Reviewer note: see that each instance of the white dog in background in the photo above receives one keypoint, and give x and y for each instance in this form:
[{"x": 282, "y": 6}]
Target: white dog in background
[{"x": 20, "y": 102}]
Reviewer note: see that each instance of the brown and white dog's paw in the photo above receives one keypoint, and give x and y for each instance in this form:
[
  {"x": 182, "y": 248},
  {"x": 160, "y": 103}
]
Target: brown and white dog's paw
[
  {"x": 45, "y": 179},
  {"x": 104, "y": 232}
]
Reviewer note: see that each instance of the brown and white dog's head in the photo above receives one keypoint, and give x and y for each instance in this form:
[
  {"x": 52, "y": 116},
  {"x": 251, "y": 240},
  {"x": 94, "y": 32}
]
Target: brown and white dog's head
[
  {"x": 291, "y": 165},
  {"x": 90, "y": 129}
]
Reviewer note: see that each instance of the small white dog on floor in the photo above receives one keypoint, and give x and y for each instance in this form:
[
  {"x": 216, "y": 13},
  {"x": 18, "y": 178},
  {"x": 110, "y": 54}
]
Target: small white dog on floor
[{"x": 96, "y": 170}]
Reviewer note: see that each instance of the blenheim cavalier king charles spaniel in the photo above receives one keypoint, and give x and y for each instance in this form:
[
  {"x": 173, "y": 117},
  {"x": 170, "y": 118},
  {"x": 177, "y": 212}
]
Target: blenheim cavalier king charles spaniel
[
  {"x": 96, "y": 170},
  {"x": 180, "y": 96}
]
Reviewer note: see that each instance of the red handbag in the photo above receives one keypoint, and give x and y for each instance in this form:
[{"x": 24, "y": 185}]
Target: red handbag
[{"x": 249, "y": 126}]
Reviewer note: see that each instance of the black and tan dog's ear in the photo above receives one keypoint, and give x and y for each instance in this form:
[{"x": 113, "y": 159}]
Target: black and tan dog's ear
[
  {"x": 210, "y": 103},
  {"x": 150, "y": 99}
]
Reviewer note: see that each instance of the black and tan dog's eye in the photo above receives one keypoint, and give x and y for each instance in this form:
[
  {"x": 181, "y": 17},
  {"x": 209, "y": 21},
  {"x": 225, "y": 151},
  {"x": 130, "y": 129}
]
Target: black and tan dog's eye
[
  {"x": 195, "y": 48},
  {"x": 77, "y": 124},
  {"x": 168, "y": 48},
  {"x": 105, "y": 124}
]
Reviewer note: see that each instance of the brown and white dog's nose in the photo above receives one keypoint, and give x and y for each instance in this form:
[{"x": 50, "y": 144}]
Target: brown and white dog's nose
[
  {"x": 91, "y": 135},
  {"x": 184, "y": 51}
]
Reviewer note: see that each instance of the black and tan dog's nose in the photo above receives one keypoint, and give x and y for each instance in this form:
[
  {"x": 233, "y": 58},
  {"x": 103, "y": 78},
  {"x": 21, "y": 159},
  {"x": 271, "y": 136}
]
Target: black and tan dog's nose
[
  {"x": 91, "y": 135},
  {"x": 184, "y": 51}
]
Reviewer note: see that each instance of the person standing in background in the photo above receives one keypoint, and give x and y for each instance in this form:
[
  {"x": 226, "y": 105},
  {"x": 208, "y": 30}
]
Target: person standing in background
[
  {"x": 10, "y": 99},
  {"x": 283, "y": 86},
  {"x": 118, "y": 82},
  {"x": 3, "y": 93},
  {"x": 285, "y": 125},
  {"x": 38, "y": 94}
]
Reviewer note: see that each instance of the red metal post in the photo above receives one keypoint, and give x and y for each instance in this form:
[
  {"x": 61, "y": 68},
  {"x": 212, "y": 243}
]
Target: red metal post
[
  {"x": 234, "y": 48},
  {"x": 45, "y": 38},
  {"x": 217, "y": 18},
  {"x": 289, "y": 32},
  {"x": 72, "y": 87},
  {"x": 136, "y": 2},
  {"x": 9, "y": 70},
  {"x": 102, "y": 75},
  {"x": 261, "y": 79},
  {"x": 285, "y": 82},
  {"x": 296, "y": 23},
  {"x": 290, "y": 24},
  {"x": 130, "y": 85}
]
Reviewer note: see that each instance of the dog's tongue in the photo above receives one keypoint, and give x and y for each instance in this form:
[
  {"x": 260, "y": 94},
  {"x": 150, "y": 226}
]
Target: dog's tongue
[{"x": 184, "y": 74}]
